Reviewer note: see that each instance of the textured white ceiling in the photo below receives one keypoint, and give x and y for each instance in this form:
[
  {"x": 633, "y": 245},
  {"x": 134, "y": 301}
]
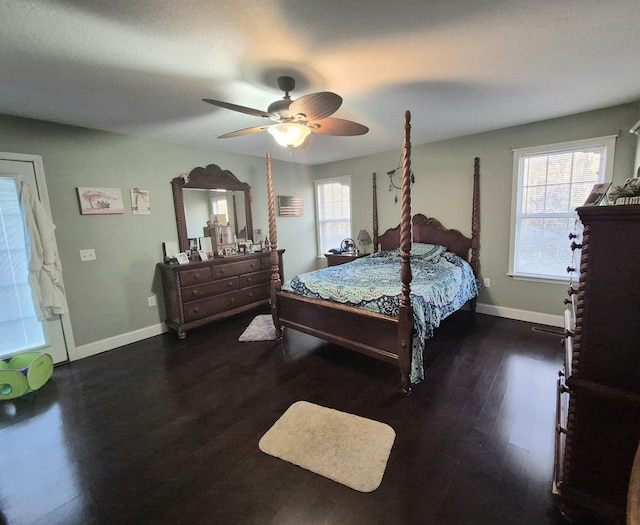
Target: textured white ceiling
[{"x": 141, "y": 67}]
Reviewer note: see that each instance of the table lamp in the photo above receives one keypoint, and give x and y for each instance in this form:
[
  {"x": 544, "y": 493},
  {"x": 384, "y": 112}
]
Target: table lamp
[{"x": 364, "y": 239}]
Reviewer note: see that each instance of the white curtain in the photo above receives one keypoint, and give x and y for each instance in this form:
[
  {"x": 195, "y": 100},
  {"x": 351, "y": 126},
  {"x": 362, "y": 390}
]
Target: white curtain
[{"x": 45, "y": 271}]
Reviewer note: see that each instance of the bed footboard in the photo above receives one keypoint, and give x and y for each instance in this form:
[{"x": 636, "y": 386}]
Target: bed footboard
[{"x": 369, "y": 333}]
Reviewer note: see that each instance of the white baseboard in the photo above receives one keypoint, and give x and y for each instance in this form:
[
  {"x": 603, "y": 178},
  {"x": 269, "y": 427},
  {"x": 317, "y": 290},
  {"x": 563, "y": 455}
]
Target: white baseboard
[
  {"x": 116, "y": 341},
  {"x": 521, "y": 315},
  {"x": 104, "y": 345}
]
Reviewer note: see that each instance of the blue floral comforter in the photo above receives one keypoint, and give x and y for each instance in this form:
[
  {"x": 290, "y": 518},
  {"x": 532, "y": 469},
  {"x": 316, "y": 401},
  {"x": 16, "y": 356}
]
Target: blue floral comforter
[{"x": 442, "y": 283}]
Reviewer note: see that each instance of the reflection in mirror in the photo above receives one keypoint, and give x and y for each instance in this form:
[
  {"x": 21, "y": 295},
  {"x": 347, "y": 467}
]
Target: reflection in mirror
[
  {"x": 202, "y": 205},
  {"x": 207, "y": 194}
]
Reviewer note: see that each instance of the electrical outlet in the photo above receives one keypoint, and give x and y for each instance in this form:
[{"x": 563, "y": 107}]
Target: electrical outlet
[
  {"x": 487, "y": 282},
  {"x": 88, "y": 255},
  {"x": 151, "y": 300}
]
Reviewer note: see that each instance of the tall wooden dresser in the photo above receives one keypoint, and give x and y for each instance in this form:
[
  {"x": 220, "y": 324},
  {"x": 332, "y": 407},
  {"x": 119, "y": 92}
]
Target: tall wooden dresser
[
  {"x": 199, "y": 293},
  {"x": 599, "y": 424}
]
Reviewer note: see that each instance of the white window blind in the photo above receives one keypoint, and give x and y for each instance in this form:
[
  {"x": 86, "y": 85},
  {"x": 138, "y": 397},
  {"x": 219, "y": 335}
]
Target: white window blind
[
  {"x": 551, "y": 182},
  {"x": 333, "y": 199}
]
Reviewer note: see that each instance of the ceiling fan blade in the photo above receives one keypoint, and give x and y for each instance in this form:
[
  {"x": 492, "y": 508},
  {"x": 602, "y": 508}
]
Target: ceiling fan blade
[
  {"x": 338, "y": 127},
  {"x": 245, "y": 131},
  {"x": 315, "y": 106},
  {"x": 241, "y": 109}
]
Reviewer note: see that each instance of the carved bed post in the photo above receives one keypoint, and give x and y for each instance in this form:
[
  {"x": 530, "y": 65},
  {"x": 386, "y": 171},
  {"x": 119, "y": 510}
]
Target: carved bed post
[
  {"x": 405, "y": 317},
  {"x": 276, "y": 284},
  {"x": 375, "y": 215},
  {"x": 475, "y": 226}
]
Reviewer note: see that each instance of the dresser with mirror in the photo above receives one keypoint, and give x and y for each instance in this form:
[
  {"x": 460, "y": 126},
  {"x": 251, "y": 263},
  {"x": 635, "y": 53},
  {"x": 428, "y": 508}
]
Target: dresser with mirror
[{"x": 202, "y": 292}]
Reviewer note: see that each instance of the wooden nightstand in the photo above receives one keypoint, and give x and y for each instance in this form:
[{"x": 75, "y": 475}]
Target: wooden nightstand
[{"x": 334, "y": 259}]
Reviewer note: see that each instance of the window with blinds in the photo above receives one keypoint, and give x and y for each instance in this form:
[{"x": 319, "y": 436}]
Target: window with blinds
[
  {"x": 551, "y": 182},
  {"x": 333, "y": 209}
]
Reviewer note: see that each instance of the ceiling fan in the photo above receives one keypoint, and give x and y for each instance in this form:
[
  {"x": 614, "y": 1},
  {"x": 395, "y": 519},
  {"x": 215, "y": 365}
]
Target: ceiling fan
[{"x": 295, "y": 120}]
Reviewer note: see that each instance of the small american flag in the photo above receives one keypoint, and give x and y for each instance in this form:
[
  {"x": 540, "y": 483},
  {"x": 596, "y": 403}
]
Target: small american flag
[{"x": 290, "y": 206}]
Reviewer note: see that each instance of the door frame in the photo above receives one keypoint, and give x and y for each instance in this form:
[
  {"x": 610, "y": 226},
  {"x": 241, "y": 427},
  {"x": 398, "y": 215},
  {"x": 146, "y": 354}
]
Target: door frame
[{"x": 43, "y": 195}]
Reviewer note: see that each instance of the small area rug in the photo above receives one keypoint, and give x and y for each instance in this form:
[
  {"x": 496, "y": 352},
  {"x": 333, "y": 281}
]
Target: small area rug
[
  {"x": 349, "y": 449},
  {"x": 260, "y": 329}
]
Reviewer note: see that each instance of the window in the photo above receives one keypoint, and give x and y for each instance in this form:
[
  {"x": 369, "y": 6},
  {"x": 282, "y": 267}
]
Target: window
[
  {"x": 550, "y": 182},
  {"x": 20, "y": 328},
  {"x": 333, "y": 209},
  {"x": 220, "y": 208}
]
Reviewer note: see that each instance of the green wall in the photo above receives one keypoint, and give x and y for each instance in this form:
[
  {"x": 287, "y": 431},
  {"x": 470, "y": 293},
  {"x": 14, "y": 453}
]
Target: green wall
[
  {"x": 443, "y": 190},
  {"x": 108, "y": 297}
]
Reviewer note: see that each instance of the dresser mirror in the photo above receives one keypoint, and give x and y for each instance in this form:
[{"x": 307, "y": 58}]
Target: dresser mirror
[{"x": 210, "y": 194}]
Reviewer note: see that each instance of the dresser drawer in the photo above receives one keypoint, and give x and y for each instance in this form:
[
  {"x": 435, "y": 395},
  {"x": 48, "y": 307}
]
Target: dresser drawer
[
  {"x": 253, "y": 294},
  {"x": 251, "y": 279},
  {"x": 211, "y": 305},
  {"x": 247, "y": 266},
  {"x": 192, "y": 293},
  {"x": 237, "y": 268},
  {"x": 190, "y": 277}
]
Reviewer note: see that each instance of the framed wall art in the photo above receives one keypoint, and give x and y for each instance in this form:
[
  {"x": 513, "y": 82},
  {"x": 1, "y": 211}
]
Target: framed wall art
[
  {"x": 290, "y": 206},
  {"x": 140, "y": 202},
  {"x": 100, "y": 201}
]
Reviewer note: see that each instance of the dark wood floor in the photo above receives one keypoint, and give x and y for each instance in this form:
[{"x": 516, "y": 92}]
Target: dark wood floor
[{"x": 166, "y": 431}]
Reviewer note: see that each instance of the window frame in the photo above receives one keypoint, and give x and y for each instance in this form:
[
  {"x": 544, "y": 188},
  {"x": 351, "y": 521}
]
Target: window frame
[
  {"x": 607, "y": 143},
  {"x": 344, "y": 180}
]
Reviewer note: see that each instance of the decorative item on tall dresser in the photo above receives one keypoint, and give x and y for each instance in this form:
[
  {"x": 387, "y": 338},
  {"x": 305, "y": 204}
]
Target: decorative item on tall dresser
[
  {"x": 597, "y": 194},
  {"x": 599, "y": 424},
  {"x": 205, "y": 195},
  {"x": 387, "y": 328},
  {"x": 627, "y": 194}
]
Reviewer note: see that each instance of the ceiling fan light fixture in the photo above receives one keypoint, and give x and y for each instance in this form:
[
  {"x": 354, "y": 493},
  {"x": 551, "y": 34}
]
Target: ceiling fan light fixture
[{"x": 289, "y": 135}]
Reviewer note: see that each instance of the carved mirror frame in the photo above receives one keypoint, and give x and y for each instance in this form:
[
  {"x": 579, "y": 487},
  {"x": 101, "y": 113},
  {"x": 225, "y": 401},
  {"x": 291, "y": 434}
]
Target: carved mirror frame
[{"x": 211, "y": 177}]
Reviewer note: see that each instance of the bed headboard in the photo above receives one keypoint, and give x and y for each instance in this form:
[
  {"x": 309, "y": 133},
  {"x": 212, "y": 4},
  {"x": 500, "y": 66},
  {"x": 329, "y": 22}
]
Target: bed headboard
[{"x": 429, "y": 231}]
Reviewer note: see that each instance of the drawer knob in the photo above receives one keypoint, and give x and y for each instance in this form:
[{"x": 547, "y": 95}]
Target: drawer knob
[
  {"x": 575, "y": 246},
  {"x": 232, "y": 300},
  {"x": 195, "y": 292},
  {"x": 230, "y": 284},
  {"x": 249, "y": 279},
  {"x": 196, "y": 276},
  {"x": 196, "y": 309}
]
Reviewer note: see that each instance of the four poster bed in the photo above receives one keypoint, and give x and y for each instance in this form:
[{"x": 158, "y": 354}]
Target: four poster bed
[{"x": 376, "y": 313}]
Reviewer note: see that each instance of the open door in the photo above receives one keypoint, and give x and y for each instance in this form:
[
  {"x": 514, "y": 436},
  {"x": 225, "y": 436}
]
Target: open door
[{"x": 20, "y": 329}]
